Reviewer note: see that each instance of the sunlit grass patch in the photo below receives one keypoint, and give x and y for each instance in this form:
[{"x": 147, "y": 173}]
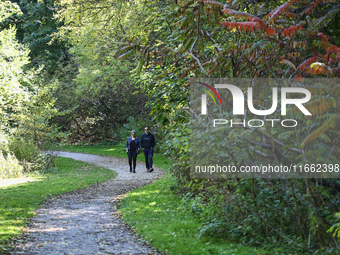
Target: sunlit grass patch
[{"x": 111, "y": 149}]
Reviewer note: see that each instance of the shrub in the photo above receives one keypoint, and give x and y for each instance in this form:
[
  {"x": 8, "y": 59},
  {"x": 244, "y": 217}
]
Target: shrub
[
  {"x": 29, "y": 155},
  {"x": 273, "y": 214},
  {"x": 24, "y": 150},
  {"x": 9, "y": 166}
]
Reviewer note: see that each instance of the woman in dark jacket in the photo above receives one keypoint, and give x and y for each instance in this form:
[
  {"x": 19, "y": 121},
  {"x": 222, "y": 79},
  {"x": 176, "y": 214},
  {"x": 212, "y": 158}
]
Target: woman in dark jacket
[{"x": 132, "y": 149}]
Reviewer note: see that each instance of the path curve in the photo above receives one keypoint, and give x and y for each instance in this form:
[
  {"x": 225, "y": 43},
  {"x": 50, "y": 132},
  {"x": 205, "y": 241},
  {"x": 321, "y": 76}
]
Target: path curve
[{"x": 86, "y": 221}]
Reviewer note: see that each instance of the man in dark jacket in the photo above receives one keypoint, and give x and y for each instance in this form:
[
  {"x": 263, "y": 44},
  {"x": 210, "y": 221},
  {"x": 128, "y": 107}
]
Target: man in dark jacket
[{"x": 147, "y": 143}]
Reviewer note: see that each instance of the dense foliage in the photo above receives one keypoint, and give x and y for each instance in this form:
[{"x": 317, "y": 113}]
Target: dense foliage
[{"x": 25, "y": 106}]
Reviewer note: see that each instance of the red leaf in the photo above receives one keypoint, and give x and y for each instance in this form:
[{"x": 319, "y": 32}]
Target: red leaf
[
  {"x": 244, "y": 26},
  {"x": 289, "y": 32},
  {"x": 307, "y": 63},
  {"x": 270, "y": 31},
  {"x": 327, "y": 57}
]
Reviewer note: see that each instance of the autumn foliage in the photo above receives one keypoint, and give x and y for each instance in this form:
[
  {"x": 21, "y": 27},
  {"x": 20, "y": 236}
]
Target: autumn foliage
[{"x": 289, "y": 36}]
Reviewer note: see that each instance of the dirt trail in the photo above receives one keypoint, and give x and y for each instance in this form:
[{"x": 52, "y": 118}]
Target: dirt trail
[{"x": 86, "y": 221}]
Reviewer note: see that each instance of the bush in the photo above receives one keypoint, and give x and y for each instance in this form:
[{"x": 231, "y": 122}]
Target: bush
[
  {"x": 29, "y": 155},
  {"x": 276, "y": 214},
  {"x": 24, "y": 150},
  {"x": 9, "y": 166}
]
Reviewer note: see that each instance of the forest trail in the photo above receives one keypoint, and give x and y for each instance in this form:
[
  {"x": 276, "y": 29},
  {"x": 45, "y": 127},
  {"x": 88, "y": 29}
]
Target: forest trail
[{"x": 86, "y": 221}]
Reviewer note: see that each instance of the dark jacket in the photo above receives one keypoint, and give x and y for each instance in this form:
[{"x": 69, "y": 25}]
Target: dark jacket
[
  {"x": 128, "y": 143},
  {"x": 147, "y": 141}
]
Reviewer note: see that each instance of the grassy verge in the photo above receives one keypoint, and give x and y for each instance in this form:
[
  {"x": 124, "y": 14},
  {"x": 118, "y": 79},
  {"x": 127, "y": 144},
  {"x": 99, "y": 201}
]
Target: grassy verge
[
  {"x": 161, "y": 217},
  {"x": 158, "y": 215},
  {"x": 19, "y": 201}
]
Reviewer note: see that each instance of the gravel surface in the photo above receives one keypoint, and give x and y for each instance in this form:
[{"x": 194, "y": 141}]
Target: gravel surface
[{"x": 86, "y": 221}]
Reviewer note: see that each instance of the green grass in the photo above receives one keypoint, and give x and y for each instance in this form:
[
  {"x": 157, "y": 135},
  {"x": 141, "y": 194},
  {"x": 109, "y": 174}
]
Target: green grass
[
  {"x": 161, "y": 217},
  {"x": 158, "y": 215},
  {"x": 19, "y": 201}
]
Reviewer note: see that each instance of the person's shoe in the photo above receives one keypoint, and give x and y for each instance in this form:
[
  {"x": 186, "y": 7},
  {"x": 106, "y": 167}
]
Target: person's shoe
[
  {"x": 130, "y": 170},
  {"x": 148, "y": 170},
  {"x": 134, "y": 171},
  {"x": 151, "y": 169}
]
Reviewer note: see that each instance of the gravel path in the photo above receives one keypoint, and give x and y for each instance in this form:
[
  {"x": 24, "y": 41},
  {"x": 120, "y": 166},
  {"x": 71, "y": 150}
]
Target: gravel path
[{"x": 86, "y": 221}]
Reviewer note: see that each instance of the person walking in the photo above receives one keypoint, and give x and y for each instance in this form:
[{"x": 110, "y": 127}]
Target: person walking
[
  {"x": 147, "y": 143},
  {"x": 132, "y": 149}
]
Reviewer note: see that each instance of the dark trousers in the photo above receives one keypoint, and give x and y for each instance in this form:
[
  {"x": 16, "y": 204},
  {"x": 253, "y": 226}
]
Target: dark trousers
[
  {"x": 132, "y": 154},
  {"x": 148, "y": 154}
]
